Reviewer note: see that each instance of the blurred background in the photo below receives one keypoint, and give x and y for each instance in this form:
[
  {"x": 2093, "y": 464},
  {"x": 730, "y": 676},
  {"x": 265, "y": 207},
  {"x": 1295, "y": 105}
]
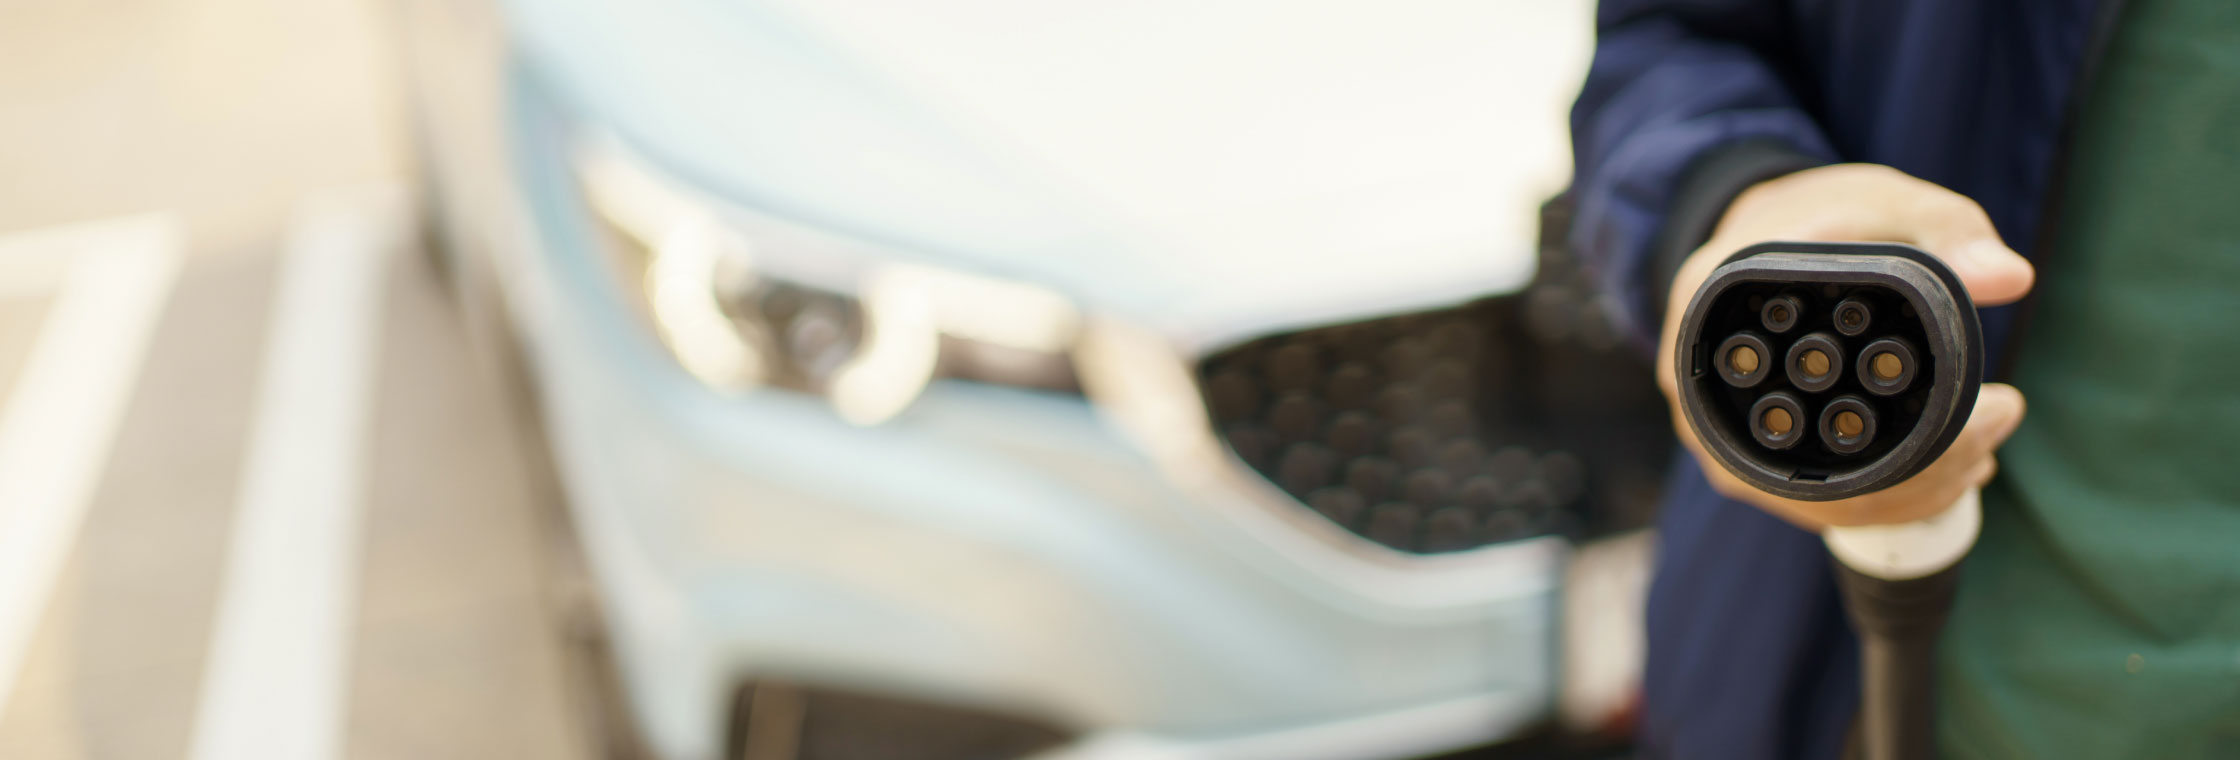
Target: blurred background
[{"x": 727, "y": 379}]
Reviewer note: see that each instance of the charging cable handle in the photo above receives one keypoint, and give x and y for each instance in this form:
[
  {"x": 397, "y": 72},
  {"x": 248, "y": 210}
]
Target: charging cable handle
[
  {"x": 1898, "y": 583},
  {"x": 1825, "y": 371}
]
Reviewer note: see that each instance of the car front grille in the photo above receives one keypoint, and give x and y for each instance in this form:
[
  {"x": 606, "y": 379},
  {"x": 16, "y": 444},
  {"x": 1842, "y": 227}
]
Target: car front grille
[{"x": 1506, "y": 418}]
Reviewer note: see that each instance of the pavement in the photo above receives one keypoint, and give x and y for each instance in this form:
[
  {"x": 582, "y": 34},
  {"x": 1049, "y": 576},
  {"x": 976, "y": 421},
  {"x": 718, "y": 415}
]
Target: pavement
[
  {"x": 173, "y": 500},
  {"x": 444, "y": 640}
]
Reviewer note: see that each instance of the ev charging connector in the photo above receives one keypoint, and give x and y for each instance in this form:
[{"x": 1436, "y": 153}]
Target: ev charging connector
[{"x": 1824, "y": 371}]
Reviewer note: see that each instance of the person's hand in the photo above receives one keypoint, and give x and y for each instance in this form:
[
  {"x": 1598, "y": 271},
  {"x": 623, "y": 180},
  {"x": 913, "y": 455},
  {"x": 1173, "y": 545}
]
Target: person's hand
[{"x": 1864, "y": 202}]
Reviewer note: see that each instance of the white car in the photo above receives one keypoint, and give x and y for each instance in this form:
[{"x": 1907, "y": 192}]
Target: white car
[{"x": 994, "y": 378}]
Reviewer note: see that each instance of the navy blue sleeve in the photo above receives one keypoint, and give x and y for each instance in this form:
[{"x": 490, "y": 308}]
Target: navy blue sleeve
[{"x": 1683, "y": 108}]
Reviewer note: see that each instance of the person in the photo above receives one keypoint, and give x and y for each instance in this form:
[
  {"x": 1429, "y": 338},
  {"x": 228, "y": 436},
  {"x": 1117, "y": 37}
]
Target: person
[{"x": 2099, "y": 614}]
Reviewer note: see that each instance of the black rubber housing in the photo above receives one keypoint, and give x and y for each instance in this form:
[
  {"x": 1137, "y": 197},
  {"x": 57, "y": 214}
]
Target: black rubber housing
[
  {"x": 1780, "y": 313},
  {"x": 1874, "y": 383},
  {"x": 1898, "y": 624},
  {"x": 1911, "y": 296},
  {"x": 1722, "y": 359},
  {"x": 1854, "y": 317},
  {"x": 1834, "y": 438},
  {"x": 1830, "y": 347},
  {"x": 1799, "y": 422}
]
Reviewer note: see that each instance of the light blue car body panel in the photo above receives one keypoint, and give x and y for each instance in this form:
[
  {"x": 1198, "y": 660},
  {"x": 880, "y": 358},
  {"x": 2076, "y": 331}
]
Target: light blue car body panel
[{"x": 990, "y": 545}]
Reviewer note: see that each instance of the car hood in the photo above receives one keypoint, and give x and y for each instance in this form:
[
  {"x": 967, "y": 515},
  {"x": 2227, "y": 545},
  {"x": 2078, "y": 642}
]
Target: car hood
[{"x": 1214, "y": 170}]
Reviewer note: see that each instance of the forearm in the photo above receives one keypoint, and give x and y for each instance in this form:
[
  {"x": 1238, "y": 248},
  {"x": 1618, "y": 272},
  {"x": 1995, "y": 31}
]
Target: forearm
[{"x": 1681, "y": 111}]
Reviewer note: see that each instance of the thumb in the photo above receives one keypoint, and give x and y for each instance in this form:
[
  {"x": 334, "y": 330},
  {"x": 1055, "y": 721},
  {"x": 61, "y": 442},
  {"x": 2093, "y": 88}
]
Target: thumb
[
  {"x": 1993, "y": 273},
  {"x": 1954, "y": 228}
]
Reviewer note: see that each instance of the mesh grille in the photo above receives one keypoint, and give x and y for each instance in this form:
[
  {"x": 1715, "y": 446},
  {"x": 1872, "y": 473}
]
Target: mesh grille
[{"x": 1503, "y": 419}]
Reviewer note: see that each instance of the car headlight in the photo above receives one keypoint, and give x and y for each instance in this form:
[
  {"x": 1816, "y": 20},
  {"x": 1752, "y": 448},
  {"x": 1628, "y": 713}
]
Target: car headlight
[{"x": 746, "y": 301}]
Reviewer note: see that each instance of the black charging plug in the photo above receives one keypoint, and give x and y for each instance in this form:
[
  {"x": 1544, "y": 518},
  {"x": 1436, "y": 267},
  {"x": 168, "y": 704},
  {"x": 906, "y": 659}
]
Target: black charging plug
[{"x": 1823, "y": 371}]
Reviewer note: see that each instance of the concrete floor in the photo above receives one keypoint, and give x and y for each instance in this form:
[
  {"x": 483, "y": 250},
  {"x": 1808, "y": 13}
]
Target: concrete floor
[
  {"x": 223, "y": 115},
  {"x": 453, "y": 648}
]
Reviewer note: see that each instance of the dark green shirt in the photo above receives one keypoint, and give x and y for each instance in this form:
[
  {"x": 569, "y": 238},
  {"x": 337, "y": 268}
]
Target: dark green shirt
[{"x": 2099, "y": 617}]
